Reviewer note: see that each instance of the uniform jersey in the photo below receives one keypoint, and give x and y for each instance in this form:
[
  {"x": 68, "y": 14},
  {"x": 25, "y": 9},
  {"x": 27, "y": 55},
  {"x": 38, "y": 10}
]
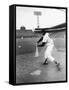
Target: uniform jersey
[{"x": 47, "y": 40}]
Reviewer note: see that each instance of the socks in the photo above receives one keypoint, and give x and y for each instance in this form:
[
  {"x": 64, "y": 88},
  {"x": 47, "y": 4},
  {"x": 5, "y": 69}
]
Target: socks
[{"x": 55, "y": 62}]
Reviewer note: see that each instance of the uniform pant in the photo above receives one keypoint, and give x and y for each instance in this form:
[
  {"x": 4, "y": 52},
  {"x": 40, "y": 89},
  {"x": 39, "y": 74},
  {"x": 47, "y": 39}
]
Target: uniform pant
[{"x": 48, "y": 52}]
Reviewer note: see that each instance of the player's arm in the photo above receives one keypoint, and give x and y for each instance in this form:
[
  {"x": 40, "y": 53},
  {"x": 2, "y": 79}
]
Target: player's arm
[
  {"x": 40, "y": 40},
  {"x": 42, "y": 44}
]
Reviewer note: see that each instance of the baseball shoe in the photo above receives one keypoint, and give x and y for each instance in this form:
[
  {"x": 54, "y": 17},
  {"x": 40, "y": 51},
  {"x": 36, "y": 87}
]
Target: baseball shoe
[
  {"x": 46, "y": 62},
  {"x": 57, "y": 65}
]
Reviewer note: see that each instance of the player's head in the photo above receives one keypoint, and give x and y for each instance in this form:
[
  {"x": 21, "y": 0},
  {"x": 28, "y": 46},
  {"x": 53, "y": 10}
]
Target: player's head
[{"x": 47, "y": 34}]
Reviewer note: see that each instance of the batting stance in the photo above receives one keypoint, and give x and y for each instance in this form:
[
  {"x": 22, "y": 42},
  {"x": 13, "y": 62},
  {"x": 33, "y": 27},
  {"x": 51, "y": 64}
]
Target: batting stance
[{"x": 46, "y": 40}]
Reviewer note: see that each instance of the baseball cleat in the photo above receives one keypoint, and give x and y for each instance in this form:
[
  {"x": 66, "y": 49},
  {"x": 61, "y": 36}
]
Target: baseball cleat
[
  {"x": 58, "y": 67},
  {"x": 45, "y": 63}
]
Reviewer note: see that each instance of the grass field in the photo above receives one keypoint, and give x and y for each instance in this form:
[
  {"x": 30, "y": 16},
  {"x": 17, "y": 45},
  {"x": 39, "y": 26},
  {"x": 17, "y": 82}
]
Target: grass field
[{"x": 30, "y": 69}]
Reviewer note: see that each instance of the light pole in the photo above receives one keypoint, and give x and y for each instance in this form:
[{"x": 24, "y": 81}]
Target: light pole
[{"x": 37, "y": 13}]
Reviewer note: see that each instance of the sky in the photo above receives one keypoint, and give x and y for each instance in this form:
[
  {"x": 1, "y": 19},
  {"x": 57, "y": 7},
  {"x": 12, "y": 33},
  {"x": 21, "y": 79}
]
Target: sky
[{"x": 50, "y": 17}]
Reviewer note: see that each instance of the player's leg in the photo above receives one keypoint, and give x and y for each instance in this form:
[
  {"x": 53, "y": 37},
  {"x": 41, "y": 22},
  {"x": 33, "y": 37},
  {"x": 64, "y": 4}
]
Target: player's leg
[
  {"x": 46, "y": 58},
  {"x": 51, "y": 58},
  {"x": 45, "y": 62},
  {"x": 46, "y": 54},
  {"x": 55, "y": 62},
  {"x": 57, "y": 65}
]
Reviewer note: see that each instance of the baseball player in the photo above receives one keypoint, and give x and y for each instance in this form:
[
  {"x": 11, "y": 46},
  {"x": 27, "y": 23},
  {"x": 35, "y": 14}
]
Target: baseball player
[{"x": 48, "y": 42}]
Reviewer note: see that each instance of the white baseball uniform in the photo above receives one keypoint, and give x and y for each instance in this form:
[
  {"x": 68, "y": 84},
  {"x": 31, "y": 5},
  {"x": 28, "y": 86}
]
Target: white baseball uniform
[{"x": 50, "y": 44}]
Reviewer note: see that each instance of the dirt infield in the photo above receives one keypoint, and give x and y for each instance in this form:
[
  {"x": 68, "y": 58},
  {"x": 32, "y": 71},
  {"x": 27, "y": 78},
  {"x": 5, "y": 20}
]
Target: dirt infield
[{"x": 30, "y": 69}]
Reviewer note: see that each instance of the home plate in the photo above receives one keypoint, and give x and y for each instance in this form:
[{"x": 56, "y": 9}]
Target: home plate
[{"x": 36, "y": 72}]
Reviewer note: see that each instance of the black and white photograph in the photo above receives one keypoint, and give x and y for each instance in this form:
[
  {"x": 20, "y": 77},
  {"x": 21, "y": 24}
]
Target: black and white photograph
[{"x": 40, "y": 45}]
